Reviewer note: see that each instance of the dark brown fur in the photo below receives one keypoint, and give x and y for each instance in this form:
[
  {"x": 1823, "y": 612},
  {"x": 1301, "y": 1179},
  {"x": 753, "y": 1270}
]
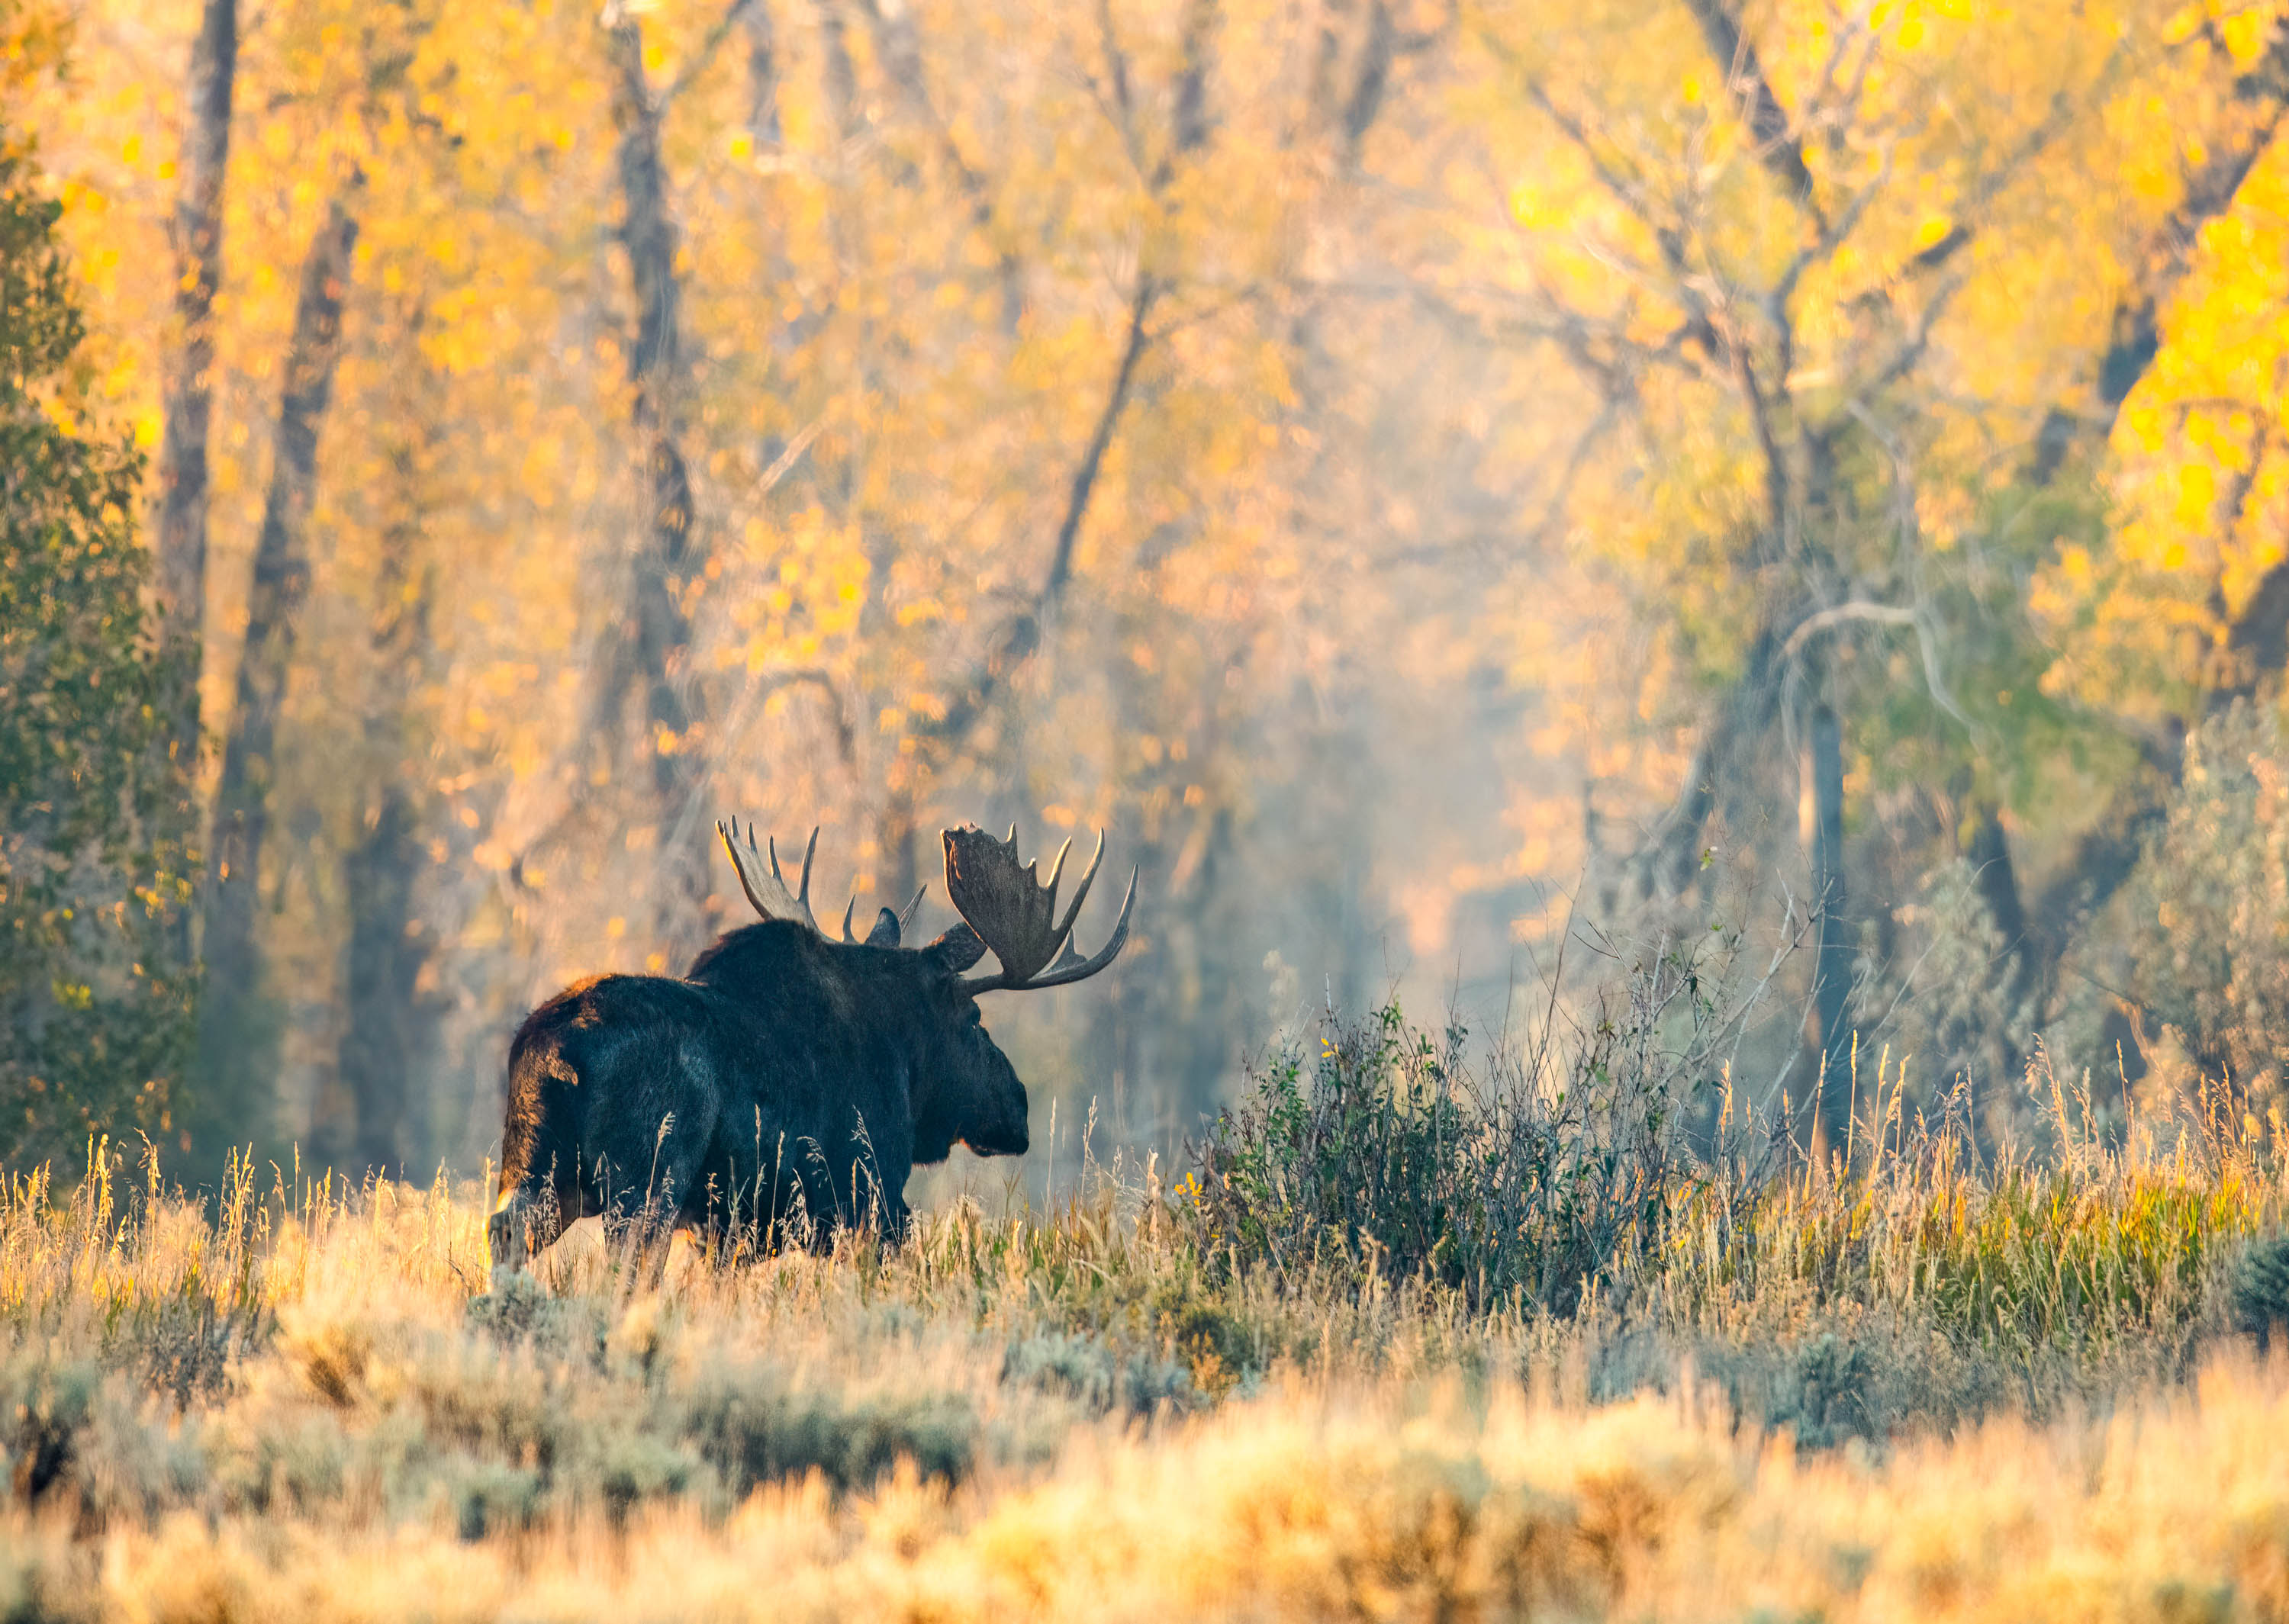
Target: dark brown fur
[{"x": 783, "y": 1072}]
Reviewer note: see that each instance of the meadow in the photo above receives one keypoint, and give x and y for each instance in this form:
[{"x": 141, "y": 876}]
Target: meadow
[
  {"x": 1917, "y": 1382},
  {"x": 1460, "y": 498}
]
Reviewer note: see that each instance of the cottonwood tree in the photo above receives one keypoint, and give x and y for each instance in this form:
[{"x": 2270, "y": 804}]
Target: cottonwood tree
[
  {"x": 1815, "y": 292},
  {"x": 1199, "y": 419},
  {"x": 237, "y": 1009}
]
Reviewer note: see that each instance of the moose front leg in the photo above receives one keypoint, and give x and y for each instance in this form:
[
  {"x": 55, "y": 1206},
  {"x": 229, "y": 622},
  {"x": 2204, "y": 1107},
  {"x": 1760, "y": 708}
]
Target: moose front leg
[
  {"x": 526, "y": 1220},
  {"x": 871, "y": 1195},
  {"x": 896, "y": 1216}
]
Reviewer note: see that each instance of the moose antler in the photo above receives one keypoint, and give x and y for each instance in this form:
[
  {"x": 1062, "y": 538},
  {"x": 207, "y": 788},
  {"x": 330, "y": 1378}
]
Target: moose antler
[
  {"x": 1015, "y": 914},
  {"x": 767, "y": 889},
  {"x": 889, "y": 927}
]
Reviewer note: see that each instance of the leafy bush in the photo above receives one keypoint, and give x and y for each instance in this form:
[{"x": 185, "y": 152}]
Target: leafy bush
[
  {"x": 754, "y": 1426},
  {"x": 1088, "y": 1369},
  {"x": 1529, "y": 1177},
  {"x": 520, "y": 1307},
  {"x": 45, "y": 1407}
]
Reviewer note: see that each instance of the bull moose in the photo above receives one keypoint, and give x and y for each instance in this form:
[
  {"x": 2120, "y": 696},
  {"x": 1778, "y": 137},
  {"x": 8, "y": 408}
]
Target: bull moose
[{"x": 784, "y": 1070}]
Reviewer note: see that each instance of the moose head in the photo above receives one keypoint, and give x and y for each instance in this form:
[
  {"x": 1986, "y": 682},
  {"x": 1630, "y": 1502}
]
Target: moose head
[{"x": 962, "y": 1088}]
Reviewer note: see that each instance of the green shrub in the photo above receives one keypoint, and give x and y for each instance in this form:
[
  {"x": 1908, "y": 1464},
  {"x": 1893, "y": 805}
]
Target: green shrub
[
  {"x": 45, "y": 1407},
  {"x": 95, "y": 812},
  {"x": 1528, "y": 1177},
  {"x": 1952, "y": 1012},
  {"x": 1094, "y": 1371},
  {"x": 492, "y": 1497},
  {"x": 520, "y": 1308}
]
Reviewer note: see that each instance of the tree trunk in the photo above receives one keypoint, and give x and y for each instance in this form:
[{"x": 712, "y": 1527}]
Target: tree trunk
[
  {"x": 1198, "y": 1048},
  {"x": 901, "y": 861},
  {"x": 840, "y": 78},
  {"x": 1736, "y": 56},
  {"x": 1987, "y": 847},
  {"x": 668, "y": 557},
  {"x": 762, "y": 74},
  {"x": 187, "y": 395},
  {"x": 391, "y": 1028},
  {"x": 281, "y": 577},
  {"x": 1669, "y": 862},
  {"x": 1344, "y": 103},
  {"x": 1831, "y": 1034}
]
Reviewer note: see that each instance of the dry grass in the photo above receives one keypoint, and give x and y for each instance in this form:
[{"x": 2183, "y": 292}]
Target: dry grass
[
  {"x": 1310, "y": 1503},
  {"x": 1926, "y": 1391}
]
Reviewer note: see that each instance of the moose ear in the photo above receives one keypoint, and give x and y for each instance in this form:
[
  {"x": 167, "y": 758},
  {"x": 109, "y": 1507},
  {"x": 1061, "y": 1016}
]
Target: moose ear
[
  {"x": 885, "y": 933},
  {"x": 958, "y": 949}
]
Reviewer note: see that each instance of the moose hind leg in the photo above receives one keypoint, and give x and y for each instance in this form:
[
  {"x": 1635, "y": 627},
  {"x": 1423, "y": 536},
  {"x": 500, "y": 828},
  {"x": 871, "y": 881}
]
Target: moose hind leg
[{"x": 652, "y": 1163}]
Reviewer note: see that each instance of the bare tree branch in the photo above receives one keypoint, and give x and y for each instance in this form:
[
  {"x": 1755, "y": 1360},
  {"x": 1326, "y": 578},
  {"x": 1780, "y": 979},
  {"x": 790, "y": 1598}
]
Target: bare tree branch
[
  {"x": 1769, "y": 123},
  {"x": 703, "y": 58},
  {"x": 1022, "y": 635},
  {"x": 899, "y": 48},
  {"x": 1827, "y": 619}
]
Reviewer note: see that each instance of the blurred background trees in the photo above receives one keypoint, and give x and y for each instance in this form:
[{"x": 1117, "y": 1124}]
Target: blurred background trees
[{"x": 1419, "y": 473}]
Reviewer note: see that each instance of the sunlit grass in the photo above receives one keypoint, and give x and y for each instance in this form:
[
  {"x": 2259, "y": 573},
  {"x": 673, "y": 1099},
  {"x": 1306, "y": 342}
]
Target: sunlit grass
[
  {"x": 1305, "y": 1504},
  {"x": 1929, "y": 1388},
  {"x": 2021, "y": 1258}
]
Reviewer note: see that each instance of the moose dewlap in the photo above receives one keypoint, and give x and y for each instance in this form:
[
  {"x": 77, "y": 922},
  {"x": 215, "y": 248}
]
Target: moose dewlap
[{"x": 785, "y": 1071}]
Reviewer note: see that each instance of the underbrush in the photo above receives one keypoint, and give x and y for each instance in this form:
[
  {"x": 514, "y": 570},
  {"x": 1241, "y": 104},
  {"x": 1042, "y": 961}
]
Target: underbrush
[{"x": 1611, "y": 1205}]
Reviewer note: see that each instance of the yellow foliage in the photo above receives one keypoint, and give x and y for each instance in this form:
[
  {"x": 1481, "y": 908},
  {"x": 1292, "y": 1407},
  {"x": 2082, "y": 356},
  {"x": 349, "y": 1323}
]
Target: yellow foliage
[{"x": 1536, "y": 322}]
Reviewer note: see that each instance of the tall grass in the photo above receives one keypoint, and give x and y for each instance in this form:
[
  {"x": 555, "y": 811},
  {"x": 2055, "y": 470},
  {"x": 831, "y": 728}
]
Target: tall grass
[
  {"x": 1100, "y": 1414},
  {"x": 1415, "y": 1334}
]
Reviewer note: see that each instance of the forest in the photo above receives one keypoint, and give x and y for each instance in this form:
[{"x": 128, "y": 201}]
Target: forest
[
  {"x": 1679, "y": 605},
  {"x": 1434, "y": 483}
]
